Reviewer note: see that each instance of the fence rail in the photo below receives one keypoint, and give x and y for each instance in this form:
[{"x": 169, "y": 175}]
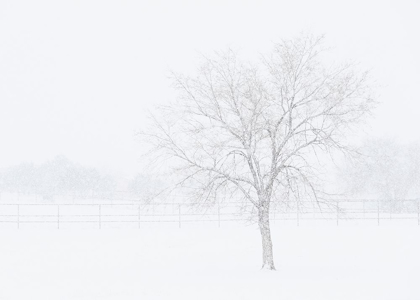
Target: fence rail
[{"x": 139, "y": 215}]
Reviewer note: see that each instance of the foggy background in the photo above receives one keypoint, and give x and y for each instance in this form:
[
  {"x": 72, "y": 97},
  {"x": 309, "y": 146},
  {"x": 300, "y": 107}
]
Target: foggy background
[{"x": 78, "y": 77}]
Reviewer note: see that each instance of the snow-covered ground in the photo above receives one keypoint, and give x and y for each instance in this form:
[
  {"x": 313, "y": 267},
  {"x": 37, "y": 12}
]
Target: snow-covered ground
[{"x": 313, "y": 262}]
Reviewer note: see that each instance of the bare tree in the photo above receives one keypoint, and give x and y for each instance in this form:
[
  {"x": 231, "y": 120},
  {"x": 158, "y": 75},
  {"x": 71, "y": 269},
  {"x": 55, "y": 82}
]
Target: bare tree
[{"x": 252, "y": 131}]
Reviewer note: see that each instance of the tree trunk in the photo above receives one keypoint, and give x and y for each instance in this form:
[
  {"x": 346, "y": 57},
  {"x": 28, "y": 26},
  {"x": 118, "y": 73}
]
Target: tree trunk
[{"x": 267, "y": 245}]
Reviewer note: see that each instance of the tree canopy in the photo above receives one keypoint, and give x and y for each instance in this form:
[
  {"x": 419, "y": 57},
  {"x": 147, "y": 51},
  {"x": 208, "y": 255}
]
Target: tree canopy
[{"x": 252, "y": 130}]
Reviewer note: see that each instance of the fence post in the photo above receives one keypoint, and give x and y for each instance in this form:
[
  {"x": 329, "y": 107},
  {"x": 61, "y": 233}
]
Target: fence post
[
  {"x": 218, "y": 214},
  {"x": 139, "y": 217},
  {"x": 378, "y": 211},
  {"x": 179, "y": 215},
  {"x": 390, "y": 209},
  {"x": 364, "y": 209},
  {"x": 100, "y": 221},
  {"x": 338, "y": 212},
  {"x": 58, "y": 216},
  {"x": 18, "y": 216}
]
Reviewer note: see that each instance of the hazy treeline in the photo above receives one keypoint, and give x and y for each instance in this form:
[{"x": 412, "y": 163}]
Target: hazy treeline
[
  {"x": 56, "y": 177},
  {"x": 386, "y": 169},
  {"x": 59, "y": 177}
]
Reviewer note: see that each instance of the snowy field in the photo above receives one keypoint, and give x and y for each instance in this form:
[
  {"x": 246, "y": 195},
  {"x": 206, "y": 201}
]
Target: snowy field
[{"x": 313, "y": 262}]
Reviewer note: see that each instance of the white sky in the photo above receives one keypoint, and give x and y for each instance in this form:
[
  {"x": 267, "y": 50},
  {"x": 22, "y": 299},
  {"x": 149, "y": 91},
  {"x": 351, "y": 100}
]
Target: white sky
[{"x": 76, "y": 77}]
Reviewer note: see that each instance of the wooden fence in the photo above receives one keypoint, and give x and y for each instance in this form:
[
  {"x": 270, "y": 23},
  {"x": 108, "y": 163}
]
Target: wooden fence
[{"x": 132, "y": 215}]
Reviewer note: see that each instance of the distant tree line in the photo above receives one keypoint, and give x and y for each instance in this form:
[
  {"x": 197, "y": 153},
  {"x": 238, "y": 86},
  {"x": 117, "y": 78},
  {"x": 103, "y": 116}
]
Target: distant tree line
[
  {"x": 60, "y": 177},
  {"x": 387, "y": 170},
  {"x": 54, "y": 178}
]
